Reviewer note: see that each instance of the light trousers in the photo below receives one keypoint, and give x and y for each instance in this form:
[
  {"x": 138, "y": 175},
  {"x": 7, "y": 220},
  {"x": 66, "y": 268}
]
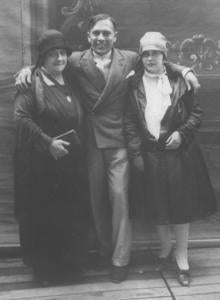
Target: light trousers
[{"x": 108, "y": 177}]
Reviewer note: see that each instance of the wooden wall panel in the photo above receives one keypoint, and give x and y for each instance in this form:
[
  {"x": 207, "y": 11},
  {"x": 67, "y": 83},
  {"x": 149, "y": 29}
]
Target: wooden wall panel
[
  {"x": 11, "y": 57},
  {"x": 10, "y": 36},
  {"x": 17, "y": 36}
]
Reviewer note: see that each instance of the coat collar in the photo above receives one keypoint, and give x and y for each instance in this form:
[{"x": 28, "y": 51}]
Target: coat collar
[{"x": 177, "y": 84}]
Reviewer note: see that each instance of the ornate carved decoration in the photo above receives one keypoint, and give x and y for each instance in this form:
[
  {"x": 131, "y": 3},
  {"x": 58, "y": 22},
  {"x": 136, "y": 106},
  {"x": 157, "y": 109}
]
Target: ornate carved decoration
[
  {"x": 77, "y": 5},
  {"x": 199, "y": 52},
  {"x": 75, "y": 25},
  {"x": 71, "y": 10}
]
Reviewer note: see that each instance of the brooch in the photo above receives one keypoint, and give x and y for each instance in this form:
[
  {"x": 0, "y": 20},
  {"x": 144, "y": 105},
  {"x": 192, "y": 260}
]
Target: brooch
[{"x": 68, "y": 98}]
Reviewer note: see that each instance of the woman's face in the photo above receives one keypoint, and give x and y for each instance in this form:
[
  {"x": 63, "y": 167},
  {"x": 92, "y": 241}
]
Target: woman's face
[
  {"x": 153, "y": 61},
  {"x": 55, "y": 61}
]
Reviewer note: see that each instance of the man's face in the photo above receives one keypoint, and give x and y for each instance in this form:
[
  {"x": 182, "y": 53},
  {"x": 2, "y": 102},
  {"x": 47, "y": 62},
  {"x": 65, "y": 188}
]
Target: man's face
[{"x": 102, "y": 37}]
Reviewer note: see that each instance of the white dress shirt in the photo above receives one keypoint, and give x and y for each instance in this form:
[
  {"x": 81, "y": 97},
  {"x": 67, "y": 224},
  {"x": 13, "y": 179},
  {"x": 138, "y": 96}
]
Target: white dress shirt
[{"x": 103, "y": 62}]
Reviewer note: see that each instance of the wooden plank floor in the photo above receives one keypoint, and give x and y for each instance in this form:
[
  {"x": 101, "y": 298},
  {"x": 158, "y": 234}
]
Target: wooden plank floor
[{"x": 16, "y": 281}]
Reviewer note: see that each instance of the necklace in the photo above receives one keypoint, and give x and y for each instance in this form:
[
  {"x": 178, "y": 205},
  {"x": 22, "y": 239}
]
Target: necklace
[{"x": 65, "y": 88}]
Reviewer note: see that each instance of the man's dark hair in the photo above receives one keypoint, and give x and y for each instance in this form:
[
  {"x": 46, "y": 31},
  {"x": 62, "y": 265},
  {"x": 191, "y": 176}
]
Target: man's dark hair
[{"x": 94, "y": 19}]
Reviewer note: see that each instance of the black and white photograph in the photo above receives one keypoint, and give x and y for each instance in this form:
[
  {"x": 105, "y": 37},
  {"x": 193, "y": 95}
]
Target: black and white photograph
[{"x": 110, "y": 150}]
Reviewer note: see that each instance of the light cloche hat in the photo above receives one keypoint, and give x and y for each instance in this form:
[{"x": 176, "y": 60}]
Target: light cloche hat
[{"x": 153, "y": 40}]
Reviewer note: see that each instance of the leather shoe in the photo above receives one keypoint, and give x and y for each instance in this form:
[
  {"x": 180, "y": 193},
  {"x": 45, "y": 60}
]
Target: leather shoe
[
  {"x": 119, "y": 273},
  {"x": 183, "y": 276},
  {"x": 162, "y": 263},
  {"x": 42, "y": 280}
]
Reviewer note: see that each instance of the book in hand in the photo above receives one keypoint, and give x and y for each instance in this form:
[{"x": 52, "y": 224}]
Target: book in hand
[{"x": 70, "y": 136}]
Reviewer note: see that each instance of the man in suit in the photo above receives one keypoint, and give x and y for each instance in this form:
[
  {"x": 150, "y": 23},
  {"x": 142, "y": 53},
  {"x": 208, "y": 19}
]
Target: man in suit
[{"x": 102, "y": 73}]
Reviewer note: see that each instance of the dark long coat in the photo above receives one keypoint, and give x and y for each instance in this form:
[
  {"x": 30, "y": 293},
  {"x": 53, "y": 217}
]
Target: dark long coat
[
  {"x": 177, "y": 187},
  {"x": 50, "y": 195}
]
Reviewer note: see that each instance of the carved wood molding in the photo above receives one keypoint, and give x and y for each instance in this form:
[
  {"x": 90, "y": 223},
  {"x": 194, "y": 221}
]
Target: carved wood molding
[{"x": 200, "y": 52}]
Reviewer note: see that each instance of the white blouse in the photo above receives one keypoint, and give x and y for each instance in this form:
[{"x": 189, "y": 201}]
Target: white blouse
[{"x": 157, "y": 90}]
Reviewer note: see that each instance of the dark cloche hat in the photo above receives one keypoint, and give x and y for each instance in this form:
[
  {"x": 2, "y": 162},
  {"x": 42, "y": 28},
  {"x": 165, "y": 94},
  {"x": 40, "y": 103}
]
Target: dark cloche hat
[{"x": 50, "y": 40}]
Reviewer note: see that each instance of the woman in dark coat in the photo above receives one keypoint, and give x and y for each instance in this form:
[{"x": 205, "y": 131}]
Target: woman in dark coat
[
  {"x": 51, "y": 201},
  {"x": 161, "y": 125}
]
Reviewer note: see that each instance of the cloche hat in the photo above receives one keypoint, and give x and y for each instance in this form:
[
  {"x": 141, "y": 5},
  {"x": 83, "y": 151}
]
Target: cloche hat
[
  {"x": 50, "y": 40},
  {"x": 153, "y": 41}
]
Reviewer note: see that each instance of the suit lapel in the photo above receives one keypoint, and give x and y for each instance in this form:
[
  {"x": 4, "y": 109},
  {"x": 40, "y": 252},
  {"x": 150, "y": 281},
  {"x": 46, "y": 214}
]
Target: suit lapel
[
  {"x": 92, "y": 73},
  {"x": 115, "y": 76},
  {"x": 116, "y": 71}
]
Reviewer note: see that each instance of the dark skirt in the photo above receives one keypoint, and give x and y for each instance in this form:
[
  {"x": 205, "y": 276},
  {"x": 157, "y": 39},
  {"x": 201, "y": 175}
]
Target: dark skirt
[
  {"x": 177, "y": 187},
  {"x": 52, "y": 208}
]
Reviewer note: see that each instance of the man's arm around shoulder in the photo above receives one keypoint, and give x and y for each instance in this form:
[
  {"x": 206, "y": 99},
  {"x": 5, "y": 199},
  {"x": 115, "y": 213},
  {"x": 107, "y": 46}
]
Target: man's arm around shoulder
[
  {"x": 187, "y": 73},
  {"x": 74, "y": 58}
]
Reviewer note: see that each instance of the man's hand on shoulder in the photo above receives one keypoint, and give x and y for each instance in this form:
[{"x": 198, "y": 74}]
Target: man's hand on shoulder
[
  {"x": 189, "y": 76},
  {"x": 192, "y": 81},
  {"x": 23, "y": 79}
]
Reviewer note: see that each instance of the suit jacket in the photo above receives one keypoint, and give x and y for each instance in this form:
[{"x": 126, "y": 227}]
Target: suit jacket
[{"x": 104, "y": 102}]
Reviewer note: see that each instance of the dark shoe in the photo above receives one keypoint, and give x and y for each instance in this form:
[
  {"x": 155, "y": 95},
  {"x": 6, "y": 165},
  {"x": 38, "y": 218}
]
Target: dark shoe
[
  {"x": 41, "y": 279},
  {"x": 28, "y": 260},
  {"x": 162, "y": 263},
  {"x": 43, "y": 272},
  {"x": 119, "y": 274},
  {"x": 183, "y": 276}
]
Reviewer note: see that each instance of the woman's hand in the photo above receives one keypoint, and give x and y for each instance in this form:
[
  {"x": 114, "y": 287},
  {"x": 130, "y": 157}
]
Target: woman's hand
[
  {"x": 174, "y": 141},
  {"x": 57, "y": 148}
]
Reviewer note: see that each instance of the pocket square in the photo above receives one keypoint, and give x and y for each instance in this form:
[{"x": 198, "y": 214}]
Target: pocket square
[{"x": 131, "y": 73}]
